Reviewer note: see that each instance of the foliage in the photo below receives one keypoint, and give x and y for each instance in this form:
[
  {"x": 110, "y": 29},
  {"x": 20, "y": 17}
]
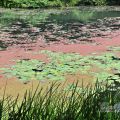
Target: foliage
[
  {"x": 55, "y": 3},
  {"x": 92, "y": 103},
  {"x": 70, "y": 2},
  {"x": 94, "y": 2},
  {"x": 99, "y": 2},
  {"x": 113, "y": 2}
]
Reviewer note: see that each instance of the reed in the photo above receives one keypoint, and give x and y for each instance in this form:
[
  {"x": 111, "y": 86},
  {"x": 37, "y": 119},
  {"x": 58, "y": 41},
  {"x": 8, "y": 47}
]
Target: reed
[{"x": 61, "y": 104}]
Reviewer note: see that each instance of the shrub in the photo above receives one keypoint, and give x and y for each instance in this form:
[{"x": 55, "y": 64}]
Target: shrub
[
  {"x": 54, "y": 3},
  {"x": 99, "y": 2}
]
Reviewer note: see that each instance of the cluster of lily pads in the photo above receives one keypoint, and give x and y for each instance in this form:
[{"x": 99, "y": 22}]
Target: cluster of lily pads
[
  {"x": 66, "y": 63},
  {"x": 115, "y": 48}
]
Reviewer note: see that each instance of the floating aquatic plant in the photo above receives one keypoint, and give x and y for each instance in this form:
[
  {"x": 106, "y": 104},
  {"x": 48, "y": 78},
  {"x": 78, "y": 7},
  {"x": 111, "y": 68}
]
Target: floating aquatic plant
[
  {"x": 61, "y": 64},
  {"x": 116, "y": 48}
]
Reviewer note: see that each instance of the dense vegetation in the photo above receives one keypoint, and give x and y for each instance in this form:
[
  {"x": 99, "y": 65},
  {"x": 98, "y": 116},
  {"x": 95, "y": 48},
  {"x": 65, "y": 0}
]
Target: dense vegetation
[
  {"x": 54, "y": 3},
  {"x": 73, "y": 103}
]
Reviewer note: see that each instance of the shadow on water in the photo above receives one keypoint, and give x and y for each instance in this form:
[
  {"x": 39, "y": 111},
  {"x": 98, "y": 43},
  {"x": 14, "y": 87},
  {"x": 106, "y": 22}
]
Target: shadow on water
[{"x": 3, "y": 46}]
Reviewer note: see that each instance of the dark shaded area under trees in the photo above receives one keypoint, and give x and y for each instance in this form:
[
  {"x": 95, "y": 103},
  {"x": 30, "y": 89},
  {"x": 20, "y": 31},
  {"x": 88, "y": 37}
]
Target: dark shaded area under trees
[{"x": 54, "y": 3}]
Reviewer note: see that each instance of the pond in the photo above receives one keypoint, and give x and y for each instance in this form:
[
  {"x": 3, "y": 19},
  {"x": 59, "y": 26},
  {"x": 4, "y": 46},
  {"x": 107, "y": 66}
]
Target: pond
[
  {"x": 58, "y": 44},
  {"x": 58, "y": 16},
  {"x": 53, "y": 24}
]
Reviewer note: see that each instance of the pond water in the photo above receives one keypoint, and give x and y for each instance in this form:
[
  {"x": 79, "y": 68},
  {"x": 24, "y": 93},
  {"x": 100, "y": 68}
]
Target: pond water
[
  {"x": 20, "y": 28},
  {"x": 58, "y": 16},
  {"x": 82, "y": 16},
  {"x": 53, "y": 24}
]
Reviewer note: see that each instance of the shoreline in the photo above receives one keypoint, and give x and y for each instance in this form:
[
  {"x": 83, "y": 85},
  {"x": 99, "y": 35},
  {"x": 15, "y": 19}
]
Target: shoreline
[{"x": 98, "y": 8}]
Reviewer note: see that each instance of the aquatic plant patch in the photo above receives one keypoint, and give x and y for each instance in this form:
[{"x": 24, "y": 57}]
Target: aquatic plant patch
[
  {"x": 107, "y": 62},
  {"x": 78, "y": 27},
  {"x": 116, "y": 48},
  {"x": 61, "y": 64}
]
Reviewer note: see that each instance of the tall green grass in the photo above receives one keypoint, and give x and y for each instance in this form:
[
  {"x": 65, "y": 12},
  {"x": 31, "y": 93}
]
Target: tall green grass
[{"x": 56, "y": 103}]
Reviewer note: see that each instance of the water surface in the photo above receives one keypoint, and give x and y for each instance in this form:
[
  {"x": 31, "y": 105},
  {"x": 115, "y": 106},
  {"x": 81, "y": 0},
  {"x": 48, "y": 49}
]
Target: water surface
[{"x": 59, "y": 23}]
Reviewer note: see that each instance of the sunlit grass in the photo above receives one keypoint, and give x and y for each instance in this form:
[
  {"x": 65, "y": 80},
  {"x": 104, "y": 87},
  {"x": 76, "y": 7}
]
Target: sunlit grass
[{"x": 61, "y": 104}]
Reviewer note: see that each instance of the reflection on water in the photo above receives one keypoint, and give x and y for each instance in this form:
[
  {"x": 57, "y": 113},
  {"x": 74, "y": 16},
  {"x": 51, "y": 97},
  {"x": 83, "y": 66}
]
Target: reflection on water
[
  {"x": 82, "y": 16},
  {"x": 55, "y": 16}
]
